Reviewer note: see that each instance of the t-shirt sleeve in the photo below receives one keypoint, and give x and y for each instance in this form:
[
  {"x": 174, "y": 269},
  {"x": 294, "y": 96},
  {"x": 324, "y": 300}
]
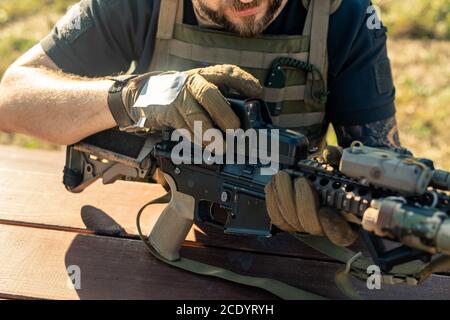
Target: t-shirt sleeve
[
  {"x": 360, "y": 77},
  {"x": 99, "y": 37}
]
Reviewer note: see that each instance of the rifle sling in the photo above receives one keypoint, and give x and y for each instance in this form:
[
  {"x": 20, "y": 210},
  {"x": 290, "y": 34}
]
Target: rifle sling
[
  {"x": 278, "y": 288},
  {"x": 356, "y": 265}
]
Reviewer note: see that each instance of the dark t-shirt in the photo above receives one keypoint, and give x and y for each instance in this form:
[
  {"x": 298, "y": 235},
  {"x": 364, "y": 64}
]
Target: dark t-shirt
[{"x": 103, "y": 37}]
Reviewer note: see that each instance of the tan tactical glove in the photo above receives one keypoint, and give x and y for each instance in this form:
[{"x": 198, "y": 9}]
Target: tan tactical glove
[
  {"x": 159, "y": 101},
  {"x": 293, "y": 206}
]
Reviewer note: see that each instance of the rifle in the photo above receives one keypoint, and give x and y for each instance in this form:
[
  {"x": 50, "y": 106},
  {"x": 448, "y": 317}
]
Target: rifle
[{"x": 392, "y": 194}]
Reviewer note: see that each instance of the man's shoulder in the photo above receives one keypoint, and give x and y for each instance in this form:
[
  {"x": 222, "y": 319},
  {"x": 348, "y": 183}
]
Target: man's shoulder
[
  {"x": 354, "y": 6},
  {"x": 348, "y": 20},
  {"x": 111, "y": 4},
  {"x": 82, "y": 41},
  {"x": 354, "y": 9}
]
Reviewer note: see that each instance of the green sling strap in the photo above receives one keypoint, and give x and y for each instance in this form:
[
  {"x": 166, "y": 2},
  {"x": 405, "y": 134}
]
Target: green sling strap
[
  {"x": 275, "y": 287},
  {"x": 411, "y": 273}
]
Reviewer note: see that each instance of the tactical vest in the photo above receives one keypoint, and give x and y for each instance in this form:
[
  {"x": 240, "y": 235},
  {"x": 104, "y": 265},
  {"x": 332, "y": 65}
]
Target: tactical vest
[{"x": 293, "y": 69}]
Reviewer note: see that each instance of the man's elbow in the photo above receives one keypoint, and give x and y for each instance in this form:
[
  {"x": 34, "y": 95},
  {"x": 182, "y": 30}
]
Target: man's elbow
[
  {"x": 5, "y": 121},
  {"x": 6, "y": 96},
  {"x": 9, "y": 77},
  {"x": 7, "y": 84}
]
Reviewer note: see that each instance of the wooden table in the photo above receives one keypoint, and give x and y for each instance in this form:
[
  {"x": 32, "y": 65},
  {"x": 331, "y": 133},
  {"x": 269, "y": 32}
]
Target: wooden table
[{"x": 45, "y": 230}]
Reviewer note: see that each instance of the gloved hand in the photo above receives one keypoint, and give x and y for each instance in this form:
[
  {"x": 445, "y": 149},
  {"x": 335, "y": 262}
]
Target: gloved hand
[
  {"x": 176, "y": 99},
  {"x": 293, "y": 206}
]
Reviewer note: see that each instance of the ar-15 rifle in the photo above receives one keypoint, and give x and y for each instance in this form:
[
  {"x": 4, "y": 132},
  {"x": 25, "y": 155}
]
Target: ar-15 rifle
[{"x": 394, "y": 195}]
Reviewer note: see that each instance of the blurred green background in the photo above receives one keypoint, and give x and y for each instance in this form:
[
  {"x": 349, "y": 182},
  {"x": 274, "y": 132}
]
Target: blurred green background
[{"x": 419, "y": 45}]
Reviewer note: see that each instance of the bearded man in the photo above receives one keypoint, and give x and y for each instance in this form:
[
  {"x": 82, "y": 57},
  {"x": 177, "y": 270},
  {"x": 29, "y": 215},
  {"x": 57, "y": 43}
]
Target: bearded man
[{"x": 314, "y": 62}]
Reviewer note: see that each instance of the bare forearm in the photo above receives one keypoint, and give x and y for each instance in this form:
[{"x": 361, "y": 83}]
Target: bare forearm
[
  {"x": 381, "y": 134},
  {"x": 50, "y": 105}
]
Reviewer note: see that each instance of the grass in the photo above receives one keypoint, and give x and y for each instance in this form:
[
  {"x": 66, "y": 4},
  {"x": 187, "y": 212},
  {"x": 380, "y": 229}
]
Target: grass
[
  {"x": 422, "y": 73},
  {"x": 421, "y": 67},
  {"x": 26, "y": 142},
  {"x": 417, "y": 18},
  {"x": 11, "y": 11},
  {"x": 421, "y": 70},
  {"x": 20, "y": 29}
]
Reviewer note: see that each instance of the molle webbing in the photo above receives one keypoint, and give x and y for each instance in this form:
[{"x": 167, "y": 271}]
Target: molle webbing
[
  {"x": 291, "y": 93},
  {"x": 211, "y": 55},
  {"x": 299, "y": 119},
  {"x": 194, "y": 47},
  {"x": 219, "y": 39}
]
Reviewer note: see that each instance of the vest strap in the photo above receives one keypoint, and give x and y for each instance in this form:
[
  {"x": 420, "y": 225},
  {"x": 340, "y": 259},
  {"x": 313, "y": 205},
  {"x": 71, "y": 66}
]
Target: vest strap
[
  {"x": 319, "y": 34},
  {"x": 308, "y": 21},
  {"x": 318, "y": 54},
  {"x": 166, "y": 25},
  {"x": 166, "y": 22},
  {"x": 334, "y": 5},
  {"x": 180, "y": 12},
  {"x": 291, "y": 93},
  {"x": 299, "y": 119},
  {"x": 246, "y": 59}
]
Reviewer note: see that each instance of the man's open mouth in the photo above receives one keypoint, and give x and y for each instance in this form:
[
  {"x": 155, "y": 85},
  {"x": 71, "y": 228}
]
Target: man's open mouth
[{"x": 247, "y": 11}]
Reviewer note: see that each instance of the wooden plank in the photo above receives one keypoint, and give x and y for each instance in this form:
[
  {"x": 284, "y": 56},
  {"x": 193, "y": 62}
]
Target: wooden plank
[
  {"x": 31, "y": 191},
  {"x": 35, "y": 261},
  {"x": 8, "y": 297},
  {"x": 21, "y": 159}
]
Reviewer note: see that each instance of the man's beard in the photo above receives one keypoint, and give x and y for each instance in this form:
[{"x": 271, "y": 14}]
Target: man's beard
[{"x": 249, "y": 26}]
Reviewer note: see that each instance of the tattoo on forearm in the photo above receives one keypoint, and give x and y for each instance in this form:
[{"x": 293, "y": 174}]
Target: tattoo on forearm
[{"x": 382, "y": 133}]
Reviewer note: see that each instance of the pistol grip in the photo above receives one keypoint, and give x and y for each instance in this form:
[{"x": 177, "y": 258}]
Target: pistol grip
[{"x": 174, "y": 224}]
